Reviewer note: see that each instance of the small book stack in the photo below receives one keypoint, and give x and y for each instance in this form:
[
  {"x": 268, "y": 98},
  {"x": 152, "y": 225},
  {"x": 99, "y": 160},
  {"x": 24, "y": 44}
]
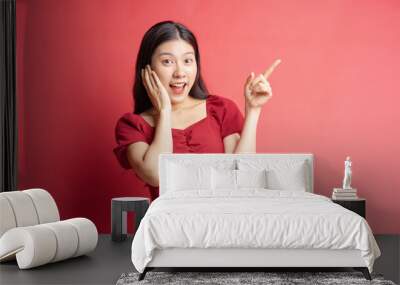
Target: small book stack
[{"x": 344, "y": 194}]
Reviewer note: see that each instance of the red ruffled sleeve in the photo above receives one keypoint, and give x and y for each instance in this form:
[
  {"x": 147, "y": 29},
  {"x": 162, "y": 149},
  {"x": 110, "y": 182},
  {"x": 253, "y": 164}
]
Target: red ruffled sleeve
[
  {"x": 129, "y": 129},
  {"x": 227, "y": 114}
]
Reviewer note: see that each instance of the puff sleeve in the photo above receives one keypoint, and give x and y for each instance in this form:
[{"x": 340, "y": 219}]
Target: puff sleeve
[
  {"x": 228, "y": 114},
  {"x": 128, "y": 130}
]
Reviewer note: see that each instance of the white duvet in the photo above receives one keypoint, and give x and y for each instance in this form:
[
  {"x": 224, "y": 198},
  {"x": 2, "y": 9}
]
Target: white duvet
[{"x": 250, "y": 218}]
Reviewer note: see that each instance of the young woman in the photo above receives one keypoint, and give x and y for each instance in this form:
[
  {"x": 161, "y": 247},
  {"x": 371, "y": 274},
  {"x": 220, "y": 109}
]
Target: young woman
[{"x": 174, "y": 112}]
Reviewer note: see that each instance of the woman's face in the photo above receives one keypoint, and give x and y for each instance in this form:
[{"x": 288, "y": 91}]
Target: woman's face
[{"x": 174, "y": 62}]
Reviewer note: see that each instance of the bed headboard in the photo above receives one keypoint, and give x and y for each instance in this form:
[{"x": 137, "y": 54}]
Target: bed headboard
[{"x": 215, "y": 158}]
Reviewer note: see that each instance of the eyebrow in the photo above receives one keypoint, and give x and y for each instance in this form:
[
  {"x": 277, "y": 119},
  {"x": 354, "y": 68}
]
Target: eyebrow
[{"x": 168, "y": 53}]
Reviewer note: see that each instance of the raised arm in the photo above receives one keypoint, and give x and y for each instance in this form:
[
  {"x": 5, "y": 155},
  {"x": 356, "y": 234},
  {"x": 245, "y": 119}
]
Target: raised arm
[
  {"x": 257, "y": 92},
  {"x": 143, "y": 157}
]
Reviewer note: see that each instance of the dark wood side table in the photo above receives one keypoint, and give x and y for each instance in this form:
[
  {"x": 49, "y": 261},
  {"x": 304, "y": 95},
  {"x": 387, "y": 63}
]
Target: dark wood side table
[
  {"x": 119, "y": 207},
  {"x": 357, "y": 206}
]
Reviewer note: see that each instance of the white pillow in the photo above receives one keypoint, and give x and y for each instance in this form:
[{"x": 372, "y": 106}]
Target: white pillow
[
  {"x": 223, "y": 179},
  {"x": 287, "y": 179},
  {"x": 235, "y": 179},
  {"x": 183, "y": 178},
  {"x": 251, "y": 178},
  {"x": 282, "y": 174}
]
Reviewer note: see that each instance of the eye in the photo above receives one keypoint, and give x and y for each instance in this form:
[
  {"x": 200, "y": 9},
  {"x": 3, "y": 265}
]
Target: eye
[
  {"x": 167, "y": 61},
  {"x": 188, "y": 60}
]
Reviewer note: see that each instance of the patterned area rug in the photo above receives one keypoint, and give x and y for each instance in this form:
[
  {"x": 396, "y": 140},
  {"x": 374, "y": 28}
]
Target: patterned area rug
[{"x": 229, "y": 278}]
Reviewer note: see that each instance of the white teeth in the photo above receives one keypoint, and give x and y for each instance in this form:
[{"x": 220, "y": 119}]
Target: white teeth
[{"x": 178, "y": 84}]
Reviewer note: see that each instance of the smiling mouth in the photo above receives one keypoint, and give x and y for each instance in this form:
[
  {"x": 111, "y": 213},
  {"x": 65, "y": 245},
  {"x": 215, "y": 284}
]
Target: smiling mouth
[{"x": 178, "y": 88}]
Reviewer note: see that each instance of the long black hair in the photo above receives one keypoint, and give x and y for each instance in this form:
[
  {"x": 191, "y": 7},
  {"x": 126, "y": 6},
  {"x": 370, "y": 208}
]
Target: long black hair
[{"x": 156, "y": 35}]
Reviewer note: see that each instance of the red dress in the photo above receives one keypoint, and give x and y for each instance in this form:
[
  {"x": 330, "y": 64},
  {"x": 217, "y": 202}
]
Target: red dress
[{"x": 204, "y": 136}]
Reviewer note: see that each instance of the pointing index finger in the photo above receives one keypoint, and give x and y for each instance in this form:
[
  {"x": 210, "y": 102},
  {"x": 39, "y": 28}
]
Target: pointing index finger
[{"x": 269, "y": 71}]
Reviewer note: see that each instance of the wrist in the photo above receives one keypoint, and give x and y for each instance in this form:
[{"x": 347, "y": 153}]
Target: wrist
[
  {"x": 164, "y": 115},
  {"x": 165, "y": 112},
  {"x": 252, "y": 111}
]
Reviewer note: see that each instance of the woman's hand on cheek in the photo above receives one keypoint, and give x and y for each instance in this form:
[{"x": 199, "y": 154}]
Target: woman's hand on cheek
[
  {"x": 155, "y": 89},
  {"x": 257, "y": 90}
]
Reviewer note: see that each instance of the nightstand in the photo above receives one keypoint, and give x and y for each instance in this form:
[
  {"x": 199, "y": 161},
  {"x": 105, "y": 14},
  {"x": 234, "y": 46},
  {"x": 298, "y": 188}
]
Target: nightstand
[
  {"x": 119, "y": 207},
  {"x": 357, "y": 205}
]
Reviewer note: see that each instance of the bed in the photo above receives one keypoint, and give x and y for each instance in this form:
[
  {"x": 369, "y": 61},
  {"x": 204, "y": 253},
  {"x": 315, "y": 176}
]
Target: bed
[{"x": 247, "y": 210}]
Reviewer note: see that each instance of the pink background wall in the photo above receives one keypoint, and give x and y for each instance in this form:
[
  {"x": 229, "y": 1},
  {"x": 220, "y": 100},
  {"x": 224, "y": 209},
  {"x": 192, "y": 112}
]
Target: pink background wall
[{"x": 335, "y": 93}]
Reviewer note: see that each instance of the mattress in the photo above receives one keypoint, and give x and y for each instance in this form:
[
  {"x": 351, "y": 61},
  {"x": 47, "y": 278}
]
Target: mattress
[{"x": 252, "y": 219}]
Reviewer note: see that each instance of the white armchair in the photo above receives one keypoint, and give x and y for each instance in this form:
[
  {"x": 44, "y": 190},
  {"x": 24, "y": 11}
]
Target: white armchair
[{"x": 31, "y": 230}]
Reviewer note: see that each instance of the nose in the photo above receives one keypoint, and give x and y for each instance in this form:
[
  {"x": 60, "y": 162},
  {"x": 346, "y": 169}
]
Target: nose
[{"x": 179, "y": 71}]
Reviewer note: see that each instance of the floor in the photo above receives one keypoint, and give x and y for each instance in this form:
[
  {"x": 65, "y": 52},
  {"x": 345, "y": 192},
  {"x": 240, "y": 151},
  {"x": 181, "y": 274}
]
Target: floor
[
  {"x": 102, "y": 266},
  {"x": 111, "y": 259}
]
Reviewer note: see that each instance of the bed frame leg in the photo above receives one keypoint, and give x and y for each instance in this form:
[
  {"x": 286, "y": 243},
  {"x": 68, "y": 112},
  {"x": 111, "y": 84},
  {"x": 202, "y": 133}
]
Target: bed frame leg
[
  {"x": 364, "y": 271},
  {"x": 143, "y": 274}
]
